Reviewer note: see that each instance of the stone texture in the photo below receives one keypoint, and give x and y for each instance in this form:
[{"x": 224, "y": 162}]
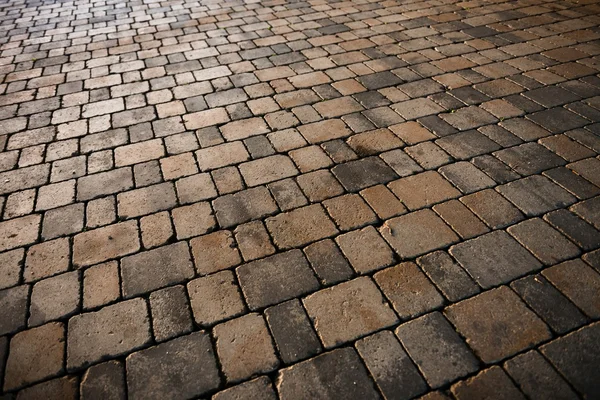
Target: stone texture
[
  {"x": 104, "y": 381},
  {"x": 106, "y": 243},
  {"x": 215, "y": 298},
  {"x": 300, "y": 227}
]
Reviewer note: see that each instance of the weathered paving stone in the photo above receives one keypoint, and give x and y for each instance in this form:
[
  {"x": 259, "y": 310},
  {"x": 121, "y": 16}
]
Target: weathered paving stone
[
  {"x": 579, "y": 282},
  {"x": 245, "y": 347},
  {"x": 113, "y": 330},
  {"x": 409, "y": 290},
  {"x": 300, "y": 227},
  {"x": 323, "y": 131},
  {"x": 423, "y": 190},
  {"x": 554, "y": 308},
  {"x": 267, "y": 170},
  {"x": 46, "y": 259},
  {"x": 436, "y": 349},
  {"x": 259, "y": 388},
  {"x": 98, "y": 185},
  {"x": 11, "y": 264},
  {"x": 215, "y": 298},
  {"x": 294, "y": 336},
  {"x": 184, "y": 367},
  {"x": 366, "y": 250},
  {"x": 35, "y": 354},
  {"x": 13, "y": 308},
  {"x": 490, "y": 382},
  {"x": 454, "y": 283},
  {"x": 19, "y": 232},
  {"x": 155, "y": 269},
  {"x": 357, "y": 306},
  {"x": 529, "y": 158},
  {"x": 275, "y": 279},
  {"x": 417, "y": 233},
  {"x": 572, "y": 182},
  {"x": 244, "y": 206},
  {"x": 577, "y": 230},
  {"x": 214, "y": 252},
  {"x": 537, "y": 378},
  {"x": 492, "y": 208},
  {"x": 589, "y": 211},
  {"x": 55, "y": 389},
  {"x": 170, "y": 313},
  {"x": 497, "y": 324},
  {"x": 461, "y": 219},
  {"x": 339, "y": 373},
  {"x": 327, "y": 261},
  {"x": 494, "y": 258},
  {"x": 360, "y": 174},
  {"x": 104, "y": 381},
  {"x": 106, "y": 243},
  {"x": 54, "y": 298},
  {"x": 146, "y": 200},
  {"x": 392, "y": 369},
  {"x": 466, "y": 177},
  {"x": 253, "y": 240},
  {"x": 576, "y": 356},
  {"x": 350, "y": 212}
]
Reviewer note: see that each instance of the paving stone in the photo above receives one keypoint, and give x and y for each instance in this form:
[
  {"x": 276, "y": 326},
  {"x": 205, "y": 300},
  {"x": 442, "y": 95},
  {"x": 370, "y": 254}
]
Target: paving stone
[
  {"x": 244, "y": 347},
  {"x": 101, "y": 285},
  {"x": 267, "y": 170},
  {"x": 339, "y": 373},
  {"x": 300, "y": 227},
  {"x": 495, "y": 169},
  {"x": 588, "y": 210},
  {"x": 11, "y": 264},
  {"x": 275, "y": 279},
  {"x": 170, "y": 313},
  {"x": 359, "y": 174},
  {"x": 579, "y": 283},
  {"x": 244, "y": 206},
  {"x": 466, "y": 177},
  {"x": 575, "y": 357},
  {"x": 558, "y": 312},
  {"x": 106, "y": 243},
  {"x": 409, "y": 290},
  {"x": 184, "y": 367},
  {"x": 19, "y": 232},
  {"x": 54, "y": 298},
  {"x": 536, "y": 377},
  {"x": 116, "y": 329},
  {"x": 155, "y": 269},
  {"x": 104, "y": 183},
  {"x": 55, "y": 389},
  {"x": 490, "y": 382},
  {"x": 323, "y": 131},
  {"x": 349, "y": 212},
  {"x": 146, "y": 200},
  {"x": 328, "y": 262},
  {"x": 259, "y": 388},
  {"x": 497, "y": 324},
  {"x": 436, "y": 349},
  {"x": 46, "y": 259},
  {"x": 567, "y": 148},
  {"x": 379, "y": 80},
  {"x": 588, "y": 169},
  {"x": 417, "y": 233},
  {"x": 416, "y": 108},
  {"x": 575, "y": 184},
  {"x": 287, "y": 194},
  {"x": 215, "y": 298},
  {"x": 393, "y": 371},
  {"x": 357, "y": 305},
  {"x": 557, "y": 120},
  {"x": 428, "y": 155},
  {"x": 294, "y": 336},
  {"x": 578, "y": 231},
  {"x": 494, "y": 258},
  {"x": 468, "y": 118},
  {"x": 423, "y": 190},
  {"x": 193, "y": 220},
  {"x": 463, "y": 221},
  {"x": 529, "y": 158},
  {"x": 492, "y": 208},
  {"x": 383, "y": 202},
  {"x": 63, "y": 221},
  {"x": 13, "y": 308},
  {"x": 35, "y": 354},
  {"x": 221, "y": 155},
  {"x": 536, "y": 195},
  {"x": 366, "y": 250},
  {"x": 253, "y": 240},
  {"x": 525, "y": 129},
  {"x": 452, "y": 281},
  {"x": 104, "y": 381}
]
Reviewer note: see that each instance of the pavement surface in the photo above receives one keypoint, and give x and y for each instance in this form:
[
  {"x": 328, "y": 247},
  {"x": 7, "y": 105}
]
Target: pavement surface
[{"x": 299, "y": 199}]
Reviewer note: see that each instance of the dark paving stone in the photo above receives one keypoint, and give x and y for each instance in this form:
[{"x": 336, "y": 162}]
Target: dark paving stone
[
  {"x": 551, "y": 96},
  {"x": 495, "y": 168},
  {"x": 371, "y": 99},
  {"x": 572, "y": 182},
  {"x": 558, "y": 120},
  {"x": 576, "y": 229},
  {"x": 577, "y": 356},
  {"x": 529, "y": 158},
  {"x": 469, "y": 118},
  {"x": 448, "y": 276},
  {"x": 379, "y": 80},
  {"x": 359, "y": 174},
  {"x": 328, "y": 262},
  {"x": 469, "y": 96},
  {"x": 490, "y": 383},
  {"x": 466, "y": 145},
  {"x": 494, "y": 258},
  {"x": 437, "y": 125}
]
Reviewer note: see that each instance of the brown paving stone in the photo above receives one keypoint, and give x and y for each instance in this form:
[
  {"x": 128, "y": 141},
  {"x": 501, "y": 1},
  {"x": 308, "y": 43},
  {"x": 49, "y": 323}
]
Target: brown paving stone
[
  {"x": 215, "y": 298},
  {"x": 259, "y": 388},
  {"x": 103, "y": 244},
  {"x": 100, "y": 285},
  {"x": 365, "y": 249},
  {"x": 106, "y": 380},
  {"x": 19, "y": 232},
  {"x": 490, "y": 382},
  {"x": 300, "y": 227},
  {"x": 46, "y": 259},
  {"x": 243, "y": 206},
  {"x": 54, "y": 298},
  {"x": 423, "y": 190},
  {"x": 11, "y": 264}
]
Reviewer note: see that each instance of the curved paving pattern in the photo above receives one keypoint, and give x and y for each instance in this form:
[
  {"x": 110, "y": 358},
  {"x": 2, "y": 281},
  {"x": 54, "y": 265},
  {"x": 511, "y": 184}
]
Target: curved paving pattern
[{"x": 299, "y": 199}]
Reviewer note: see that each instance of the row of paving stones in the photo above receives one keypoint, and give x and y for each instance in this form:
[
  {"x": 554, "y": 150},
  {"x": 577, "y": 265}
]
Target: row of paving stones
[{"x": 206, "y": 193}]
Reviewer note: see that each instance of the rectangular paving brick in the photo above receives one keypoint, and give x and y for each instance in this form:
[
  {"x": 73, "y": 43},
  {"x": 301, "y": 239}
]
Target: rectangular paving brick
[
  {"x": 300, "y": 227},
  {"x": 244, "y": 206},
  {"x": 105, "y": 243}
]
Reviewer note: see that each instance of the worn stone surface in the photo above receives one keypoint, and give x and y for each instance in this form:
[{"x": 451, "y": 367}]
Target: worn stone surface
[{"x": 104, "y": 381}]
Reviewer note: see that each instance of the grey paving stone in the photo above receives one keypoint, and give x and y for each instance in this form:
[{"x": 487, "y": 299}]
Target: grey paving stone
[
  {"x": 454, "y": 283},
  {"x": 13, "y": 308},
  {"x": 104, "y": 381},
  {"x": 437, "y": 350},
  {"x": 589, "y": 210},
  {"x": 572, "y": 182},
  {"x": 558, "y": 120},
  {"x": 465, "y": 145},
  {"x": 466, "y": 177},
  {"x": 259, "y": 388},
  {"x": 328, "y": 262},
  {"x": 529, "y": 158},
  {"x": 359, "y": 174},
  {"x": 536, "y": 195},
  {"x": 577, "y": 230},
  {"x": 170, "y": 313}
]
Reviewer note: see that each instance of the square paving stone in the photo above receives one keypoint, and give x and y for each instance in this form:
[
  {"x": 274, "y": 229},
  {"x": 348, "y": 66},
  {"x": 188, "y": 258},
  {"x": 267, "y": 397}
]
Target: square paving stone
[
  {"x": 35, "y": 354},
  {"x": 155, "y": 269},
  {"x": 170, "y": 313},
  {"x": 337, "y": 374},
  {"x": 366, "y": 250},
  {"x": 577, "y": 356},
  {"x": 328, "y": 262},
  {"x": 544, "y": 242},
  {"x": 554, "y": 308},
  {"x": 409, "y": 290},
  {"x": 423, "y": 190},
  {"x": 184, "y": 367},
  {"x": 275, "y": 279},
  {"x": 490, "y": 383},
  {"x": 536, "y": 195},
  {"x": 428, "y": 155},
  {"x": 537, "y": 378},
  {"x": 214, "y": 252},
  {"x": 440, "y": 354},
  {"x": 300, "y": 227},
  {"x": 350, "y": 211},
  {"x": 104, "y": 381},
  {"x": 359, "y": 174},
  {"x": 494, "y": 258},
  {"x": 348, "y": 311},
  {"x": 393, "y": 371},
  {"x": 113, "y": 330},
  {"x": 54, "y": 298},
  {"x": 497, "y": 324},
  {"x": 454, "y": 283},
  {"x": 215, "y": 298},
  {"x": 245, "y": 347},
  {"x": 417, "y": 233},
  {"x": 529, "y": 158}
]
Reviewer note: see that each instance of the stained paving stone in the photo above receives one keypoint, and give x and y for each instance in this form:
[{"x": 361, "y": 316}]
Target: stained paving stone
[
  {"x": 13, "y": 308},
  {"x": 537, "y": 378},
  {"x": 275, "y": 279},
  {"x": 555, "y": 309},
  {"x": 437, "y": 350},
  {"x": 170, "y": 313},
  {"x": 452, "y": 281},
  {"x": 357, "y": 306},
  {"x": 536, "y": 195},
  {"x": 244, "y": 347},
  {"x": 492, "y": 208},
  {"x": 104, "y": 381},
  {"x": 575, "y": 356},
  {"x": 558, "y": 120},
  {"x": 468, "y": 118},
  {"x": 428, "y": 155},
  {"x": 360, "y": 174},
  {"x": 184, "y": 367},
  {"x": 490, "y": 382},
  {"x": 54, "y": 298},
  {"x": 243, "y": 206},
  {"x": 338, "y": 373},
  {"x": 466, "y": 177},
  {"x": 115, "y": 330},
  {"x": 463, "y": 221},
  {"x": 392, "y": 369},
  {"x": 504, "y": 325},
  {"x": 575, "y": 184},
  {"x": 529, "y": 158},
  {"x": 494, "y": 258},
  {"x": 328, "y": 262},
  {"x": 468, "y": 144},
  {"x": 293, "y": 334}
]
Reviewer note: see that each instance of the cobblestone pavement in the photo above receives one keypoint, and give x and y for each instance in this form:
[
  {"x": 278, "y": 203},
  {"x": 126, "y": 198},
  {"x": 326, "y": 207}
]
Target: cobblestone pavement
[{"x": 299, "y": 199}]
